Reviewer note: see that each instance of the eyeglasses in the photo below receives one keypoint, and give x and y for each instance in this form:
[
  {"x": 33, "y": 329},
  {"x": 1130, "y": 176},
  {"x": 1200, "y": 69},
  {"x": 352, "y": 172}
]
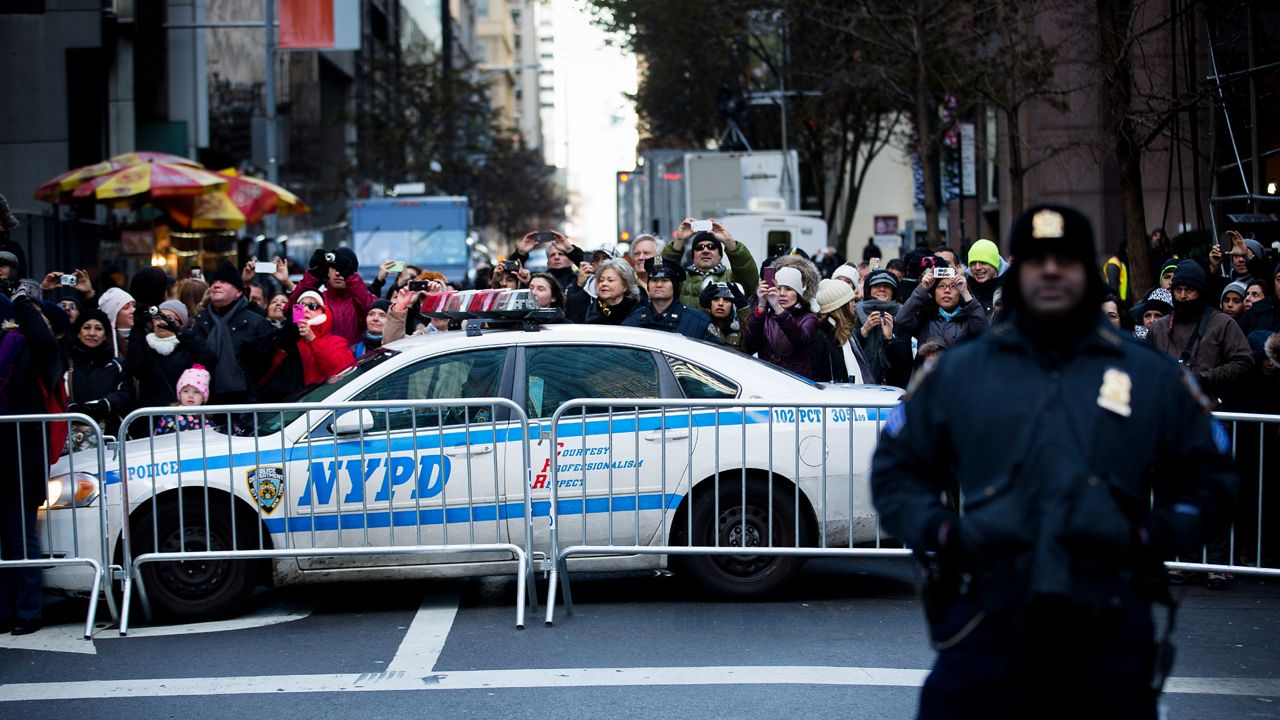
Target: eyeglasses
[
  {"x": 312, "y": 306},
  {"x": 704, "y": 246}
]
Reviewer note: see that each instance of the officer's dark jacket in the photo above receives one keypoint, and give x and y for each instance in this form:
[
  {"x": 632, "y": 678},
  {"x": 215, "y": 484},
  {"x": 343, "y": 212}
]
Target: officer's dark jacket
[
  {"x": 1053, "y": 487},
  {"x": 678, "y": 318}
]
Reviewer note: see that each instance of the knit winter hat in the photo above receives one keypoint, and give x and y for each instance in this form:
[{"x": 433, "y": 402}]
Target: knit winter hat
[
  {"x": 1236, "y": 287},
  {"x": 1158, "y": 299},
  {"x": 985, "y": 251},
  {"x": 227, "y": 273},
  {"x": 1170, "y": 264},
  {"x": 177, "y": 307},
  {"x": 832, "y": 295},
  {"x": 847, "y": 272},
  {"x": 790, "y": 277},
  {"x": 197, "y": 377},
  {"x": 704, "y": 236},
  {"x": 8, "y": 258},
  {"x": 149, "y": 285},
  {"x": 112, "y": 301},
  {"x": 1190, "y": 274},
  {"x": 381, "y": 304}
]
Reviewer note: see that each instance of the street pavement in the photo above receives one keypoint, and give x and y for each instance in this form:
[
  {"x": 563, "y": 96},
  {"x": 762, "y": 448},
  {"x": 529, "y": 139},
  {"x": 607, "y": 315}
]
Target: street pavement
[{"x": 847, "y": 641}]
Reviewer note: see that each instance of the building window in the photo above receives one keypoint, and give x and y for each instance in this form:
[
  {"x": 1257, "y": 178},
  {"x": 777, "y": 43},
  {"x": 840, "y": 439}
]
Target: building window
[{"x": 482, "y": 9}]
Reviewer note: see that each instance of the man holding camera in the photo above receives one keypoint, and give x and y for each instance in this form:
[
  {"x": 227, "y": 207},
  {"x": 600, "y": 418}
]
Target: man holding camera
[
  {"x": 663, "y": 311},
  {"x": 716, "y": 257},
  {"x": 1043, "y": 557},
  {"x": 237, "y": 336},
  {"x": 347, "y": 299}
]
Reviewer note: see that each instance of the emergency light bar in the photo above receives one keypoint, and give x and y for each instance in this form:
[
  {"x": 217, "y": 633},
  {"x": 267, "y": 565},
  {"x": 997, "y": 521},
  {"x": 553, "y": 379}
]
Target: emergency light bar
[{"x": 511, "y": 305}]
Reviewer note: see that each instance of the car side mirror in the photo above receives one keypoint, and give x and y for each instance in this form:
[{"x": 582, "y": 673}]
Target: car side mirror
[{"x": 352, "y": 423}]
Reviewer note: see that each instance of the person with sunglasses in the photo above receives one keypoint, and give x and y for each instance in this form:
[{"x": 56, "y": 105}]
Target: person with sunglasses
[
  {"x": 309, "y": 351},
  {"x": 714, "y": 257}
]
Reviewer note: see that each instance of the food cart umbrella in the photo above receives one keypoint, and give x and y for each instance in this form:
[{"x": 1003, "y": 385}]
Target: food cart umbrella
[{"x": 58, "y": 188}]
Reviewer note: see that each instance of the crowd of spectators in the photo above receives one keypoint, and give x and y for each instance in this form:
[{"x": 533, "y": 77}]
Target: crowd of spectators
[{"x": 238, "y": 336}]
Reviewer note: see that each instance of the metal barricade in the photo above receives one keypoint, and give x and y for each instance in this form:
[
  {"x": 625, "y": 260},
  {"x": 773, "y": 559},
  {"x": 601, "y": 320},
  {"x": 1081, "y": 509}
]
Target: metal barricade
[
  {"x": 205, "y": 511},
  {"x": 787, "y": 480},
  {"x": 69, "y": 528},
  {"x": 1246, "y": 549}
]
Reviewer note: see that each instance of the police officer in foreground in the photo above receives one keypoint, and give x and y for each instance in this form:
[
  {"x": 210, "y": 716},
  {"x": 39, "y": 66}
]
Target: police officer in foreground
[
  {"x": 1039, "y": 585},
  {"x": 663, "y": 311}
]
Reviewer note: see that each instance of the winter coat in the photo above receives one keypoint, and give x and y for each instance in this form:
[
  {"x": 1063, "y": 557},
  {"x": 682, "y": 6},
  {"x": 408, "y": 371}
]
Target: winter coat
[
  {"x": 984, "y": 293},
  {"x": 157, "y": 374},
  {"x": 737, "y": 266},
  {"x": 32, "y": 361},
  {"x": 919, "y": 317},
  {"x": 1056, "y": 505},
  {"x": 888, "y": 361},
  {"x": 300, "y": 363},
  {"x": 1264, "y": 315},
  {"x": 784, "y": 339},
  {"x": 251, "y": 342},
  {"x": 677, "y": 319},
  {"x": 96, "y": 375},
  {"x": 598, "y": 314},
  {"x": 729, "y": 335},
  {"x": 1220, "y": 357},
  {"x": 346, "y": 307}
]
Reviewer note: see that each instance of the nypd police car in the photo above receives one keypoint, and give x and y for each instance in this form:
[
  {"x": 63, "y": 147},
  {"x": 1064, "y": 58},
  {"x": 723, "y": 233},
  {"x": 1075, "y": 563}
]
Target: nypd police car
[{"x": 624, "y": 475}]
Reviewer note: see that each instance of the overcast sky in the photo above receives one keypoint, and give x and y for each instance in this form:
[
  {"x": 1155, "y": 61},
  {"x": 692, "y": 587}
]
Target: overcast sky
[{"x": 601, "y": 137}]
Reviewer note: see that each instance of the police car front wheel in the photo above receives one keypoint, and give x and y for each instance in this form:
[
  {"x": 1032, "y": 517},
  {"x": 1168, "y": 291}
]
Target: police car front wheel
[
  {"x": 194, "y": 589},
  {"x": 739, "y": 520}
]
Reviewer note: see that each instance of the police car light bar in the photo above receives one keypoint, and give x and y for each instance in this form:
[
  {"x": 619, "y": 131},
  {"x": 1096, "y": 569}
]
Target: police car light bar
[{"x": 489, "y": 306}]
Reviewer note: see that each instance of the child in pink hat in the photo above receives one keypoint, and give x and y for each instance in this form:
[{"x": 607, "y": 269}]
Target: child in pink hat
[{"x": 193, "y": 391}]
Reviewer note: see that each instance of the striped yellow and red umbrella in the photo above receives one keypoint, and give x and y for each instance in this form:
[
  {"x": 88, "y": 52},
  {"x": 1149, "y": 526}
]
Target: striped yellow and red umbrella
[
  {"x": 214, "y": 211},
  {"x": 151, "y": 180},
  {"x": 58, "y": 189},
  {"x": 258, "y": 198}
]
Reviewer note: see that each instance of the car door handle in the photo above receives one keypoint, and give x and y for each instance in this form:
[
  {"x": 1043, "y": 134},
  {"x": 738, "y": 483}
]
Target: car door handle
[
  {"x": 469, "y": 450},
  {"x": 663, "y": 435}
]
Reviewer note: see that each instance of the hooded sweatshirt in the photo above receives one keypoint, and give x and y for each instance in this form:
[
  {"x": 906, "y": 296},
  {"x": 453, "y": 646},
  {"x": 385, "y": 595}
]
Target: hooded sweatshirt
[{"x": 299, "y": 363}]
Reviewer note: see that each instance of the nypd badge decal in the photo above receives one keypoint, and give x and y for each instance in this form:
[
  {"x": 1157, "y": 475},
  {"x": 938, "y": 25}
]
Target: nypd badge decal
[{"x": 266, "y": 485}]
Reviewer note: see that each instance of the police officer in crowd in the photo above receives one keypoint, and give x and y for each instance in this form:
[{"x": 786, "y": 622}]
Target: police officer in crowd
[
  {"x": 663, "y": 311},
  {"x": 1043, "y": 558}
]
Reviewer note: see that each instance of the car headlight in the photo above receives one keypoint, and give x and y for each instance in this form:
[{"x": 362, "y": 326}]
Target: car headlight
[{"x": 72, "y": 490}]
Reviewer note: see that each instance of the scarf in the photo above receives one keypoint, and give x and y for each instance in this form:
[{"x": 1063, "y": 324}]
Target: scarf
[
  {"x": 950, "y": 316},
  {"x": 230, "y": 376},
  {"x": 164, "y": 346}
]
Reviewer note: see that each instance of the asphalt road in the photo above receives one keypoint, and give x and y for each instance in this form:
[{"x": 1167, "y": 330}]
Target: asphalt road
[{"x": 848, "y": 641}]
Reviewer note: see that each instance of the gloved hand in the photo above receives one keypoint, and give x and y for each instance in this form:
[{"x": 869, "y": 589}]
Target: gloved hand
[
  {"x": 96, "y": 409},
  {"x": 319, "y": 267},
  {"x": 345, "y": 261}
]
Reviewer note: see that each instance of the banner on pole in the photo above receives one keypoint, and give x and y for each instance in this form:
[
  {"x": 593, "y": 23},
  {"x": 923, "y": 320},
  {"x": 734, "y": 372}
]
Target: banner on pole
[{"x": 306, "y": 25}]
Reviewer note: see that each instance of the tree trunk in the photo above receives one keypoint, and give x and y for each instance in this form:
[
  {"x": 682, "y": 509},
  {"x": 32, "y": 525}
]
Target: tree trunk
[
  {"x": 925, "y": 140},
  {"x": 1114, "y": 43},
  {"x": 1016, "y": 170}
]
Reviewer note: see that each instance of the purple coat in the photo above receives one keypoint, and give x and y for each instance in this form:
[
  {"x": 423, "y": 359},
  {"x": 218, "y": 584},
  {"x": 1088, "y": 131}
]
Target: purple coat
[{"x": 783, "y": 339}]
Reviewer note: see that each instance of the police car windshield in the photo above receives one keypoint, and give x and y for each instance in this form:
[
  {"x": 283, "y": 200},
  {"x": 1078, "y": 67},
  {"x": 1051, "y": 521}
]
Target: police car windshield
[{"x": 269, "y": 423}]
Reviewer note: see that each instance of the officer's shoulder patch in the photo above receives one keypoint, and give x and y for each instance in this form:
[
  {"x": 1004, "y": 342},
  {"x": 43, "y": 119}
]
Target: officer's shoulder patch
[
  {"x": 1193, "y": 386},
  {"x": 897, "y": 420},
  {"x": 1221, "y": 439}
]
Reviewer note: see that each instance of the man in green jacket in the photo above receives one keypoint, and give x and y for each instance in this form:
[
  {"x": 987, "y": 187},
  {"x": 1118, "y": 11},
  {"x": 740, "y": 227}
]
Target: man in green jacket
[{"x": 715, "y": 256}]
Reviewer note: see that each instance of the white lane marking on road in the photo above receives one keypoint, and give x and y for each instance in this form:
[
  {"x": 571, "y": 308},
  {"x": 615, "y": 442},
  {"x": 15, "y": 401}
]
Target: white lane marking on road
[
  {"x": 70, "y": 638},
  {"x": 420, "y": 679},
  {"x": 427, "y": 633},
  {"x": 52, "y": 638},
  {"x": 272, "y": 614}
]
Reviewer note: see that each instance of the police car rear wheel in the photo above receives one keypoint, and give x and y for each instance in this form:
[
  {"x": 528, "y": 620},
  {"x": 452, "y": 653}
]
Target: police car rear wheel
[
  {"x": 193, "y": 589},
  {"x": 739, "y": 523}
]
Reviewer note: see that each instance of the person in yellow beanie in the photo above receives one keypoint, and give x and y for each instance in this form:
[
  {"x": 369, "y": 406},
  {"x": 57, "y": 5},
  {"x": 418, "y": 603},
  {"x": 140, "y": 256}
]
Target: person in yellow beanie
[{"x": 985, "y": 264}]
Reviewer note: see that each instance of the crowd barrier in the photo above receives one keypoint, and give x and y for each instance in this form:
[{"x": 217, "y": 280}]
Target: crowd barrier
[
  {"x": 1247, "y": 549},
  {"x": 59, "y": 537},
  {"x": 390, "y": 482},
  {"x": 786, "y": 480},
  {"x": 278, "y": 492}
]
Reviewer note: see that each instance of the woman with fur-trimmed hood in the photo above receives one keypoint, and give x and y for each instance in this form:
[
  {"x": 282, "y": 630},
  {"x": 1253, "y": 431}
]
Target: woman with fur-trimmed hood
[{"x": 781, "y": 327}]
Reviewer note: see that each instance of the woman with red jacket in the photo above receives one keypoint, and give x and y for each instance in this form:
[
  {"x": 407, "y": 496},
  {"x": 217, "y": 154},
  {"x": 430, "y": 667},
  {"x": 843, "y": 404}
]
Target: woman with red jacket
[{"x": 309, "y": 351}]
